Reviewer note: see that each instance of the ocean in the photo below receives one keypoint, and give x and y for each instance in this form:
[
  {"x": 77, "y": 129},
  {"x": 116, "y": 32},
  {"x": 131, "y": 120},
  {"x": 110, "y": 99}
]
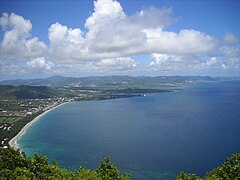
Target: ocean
[{"x": 151, "y": 137}]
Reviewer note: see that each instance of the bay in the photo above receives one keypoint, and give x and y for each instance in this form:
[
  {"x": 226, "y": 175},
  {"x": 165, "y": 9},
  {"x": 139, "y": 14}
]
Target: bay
[{"x": 151, "y": 137}]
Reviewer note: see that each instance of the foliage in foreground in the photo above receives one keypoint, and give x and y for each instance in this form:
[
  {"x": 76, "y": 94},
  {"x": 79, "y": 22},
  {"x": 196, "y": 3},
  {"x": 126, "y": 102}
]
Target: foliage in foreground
[
  {"x": 16, "y": 165},
  {"x": 230, "y": 170}
]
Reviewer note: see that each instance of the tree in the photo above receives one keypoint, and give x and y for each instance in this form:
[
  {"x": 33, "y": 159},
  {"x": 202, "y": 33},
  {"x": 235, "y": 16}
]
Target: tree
[
  {"x": 108, "y": 171},
  {"x": 230, "y": 170},
  {"x": 186, "y": 176},
  {"x": 16, "y": 165}
]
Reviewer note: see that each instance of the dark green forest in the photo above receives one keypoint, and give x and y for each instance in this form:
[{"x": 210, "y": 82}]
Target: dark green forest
[{"x": 16, "y": 165}]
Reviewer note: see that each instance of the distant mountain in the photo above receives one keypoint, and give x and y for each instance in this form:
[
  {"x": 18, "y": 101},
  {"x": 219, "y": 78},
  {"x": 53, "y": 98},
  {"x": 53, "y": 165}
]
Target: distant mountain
[
  {"x": 51, "y": 81},
  {"x": 59, "y": 81},
  {"x": 60, "y": 86},
  {"x": 110, "y": 81},
  {"x": 29, "y": 92}
]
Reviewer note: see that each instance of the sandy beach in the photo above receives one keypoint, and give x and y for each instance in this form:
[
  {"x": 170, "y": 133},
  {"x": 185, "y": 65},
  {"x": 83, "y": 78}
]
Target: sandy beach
[{"x": 14, "y": 141}]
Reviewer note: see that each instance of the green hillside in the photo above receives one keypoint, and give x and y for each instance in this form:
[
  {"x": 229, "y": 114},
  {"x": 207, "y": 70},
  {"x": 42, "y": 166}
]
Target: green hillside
[
  {"x": 30, "y": 92},
  {"x": 108, "y": 81}
]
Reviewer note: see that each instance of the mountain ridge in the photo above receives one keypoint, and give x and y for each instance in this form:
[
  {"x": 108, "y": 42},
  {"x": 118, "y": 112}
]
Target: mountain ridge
[{"x": 58, "y": 80}]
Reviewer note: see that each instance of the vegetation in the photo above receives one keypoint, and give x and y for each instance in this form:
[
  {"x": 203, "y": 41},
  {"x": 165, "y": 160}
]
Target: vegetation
[
  {"x": 109, "y": 82},
  {"x": 32, "y": 92},
  {"x": 17, "y": 97},
  {"x": 16, "y": 113},
  {"x": 16, "y": 165},
  {"x": 15, "y": 127},
  {"x": 230, "y": 170}
]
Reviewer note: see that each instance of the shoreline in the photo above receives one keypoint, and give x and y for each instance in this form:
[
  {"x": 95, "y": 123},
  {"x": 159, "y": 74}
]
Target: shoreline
[{"x": 13, "y": 143}]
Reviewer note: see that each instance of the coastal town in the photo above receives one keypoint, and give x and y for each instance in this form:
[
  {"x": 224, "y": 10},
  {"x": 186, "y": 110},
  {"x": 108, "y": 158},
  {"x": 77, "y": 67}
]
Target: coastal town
[{"x": 14, "y": 111}]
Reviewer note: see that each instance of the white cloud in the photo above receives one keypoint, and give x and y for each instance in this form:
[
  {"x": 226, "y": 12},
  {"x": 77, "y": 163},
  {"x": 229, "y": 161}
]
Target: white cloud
[
  {"x": 230, "y": 38},
  {"x": 17, "y": 43},
  {"x": 104, "y": 12},
  {"x": 61, "y": 34},
  {"x": 122, "y": 35},
  {"x": 231, "y": 57},
  {"x": 65, "y": 43},
  {"x": 111, "y": 39},
  {"x": 230, "y": 52},
  {"x": 39, "y": 64},
  {"x": 186, "y": 42},
  {"x": 209, "y": 63},
  {"x": 10, "y": 70},
  {"x": 126, "y": 63},
  {"x": 111, "y": 34},
  {"x": 15, "y": 22},
  {"x": 102, "y": 66},
  {"x": 165, "y": 62}
]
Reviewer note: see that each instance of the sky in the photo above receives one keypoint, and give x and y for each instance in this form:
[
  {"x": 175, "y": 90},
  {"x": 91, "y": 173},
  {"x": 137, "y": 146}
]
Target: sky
[{"x": 41, "y": 38}]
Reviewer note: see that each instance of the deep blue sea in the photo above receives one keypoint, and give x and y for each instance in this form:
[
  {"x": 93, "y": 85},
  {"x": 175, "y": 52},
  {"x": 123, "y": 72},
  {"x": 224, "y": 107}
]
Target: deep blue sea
[{"x": 152, "y": 137}]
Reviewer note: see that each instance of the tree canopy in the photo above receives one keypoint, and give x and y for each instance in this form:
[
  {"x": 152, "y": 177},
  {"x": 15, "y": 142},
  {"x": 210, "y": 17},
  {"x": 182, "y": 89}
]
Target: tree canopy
[
  {"x": 230, "y": 170},
  {"x": 16, "y": 165}
]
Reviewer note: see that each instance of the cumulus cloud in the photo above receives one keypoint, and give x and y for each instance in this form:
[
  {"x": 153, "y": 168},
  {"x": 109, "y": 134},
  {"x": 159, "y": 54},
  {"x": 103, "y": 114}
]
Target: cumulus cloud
[
  {"x": 104, "y": 12},
  {"x": 123, "y": 35},
  {"x": 17, "y": 42},
  {"x": 111, "y": 39},
  {"x": 39, "y": 64},
  {"x": 65, "y": 43},
  {"x": 111, "y": 34},
  {"x": 209, "y": 63},
  {"x": 186, "y": 42},
  {"x": 165, "y": 62},
  {"x": 126, "y": 63}
]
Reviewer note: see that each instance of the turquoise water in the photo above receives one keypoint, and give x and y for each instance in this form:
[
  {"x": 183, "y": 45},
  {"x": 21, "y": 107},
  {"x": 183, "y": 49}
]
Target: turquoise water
[{"x": 151, "y": 137}]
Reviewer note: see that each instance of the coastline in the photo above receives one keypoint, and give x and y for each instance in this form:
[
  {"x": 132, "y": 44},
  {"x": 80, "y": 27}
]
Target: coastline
[{"x": 13, "y": 143}]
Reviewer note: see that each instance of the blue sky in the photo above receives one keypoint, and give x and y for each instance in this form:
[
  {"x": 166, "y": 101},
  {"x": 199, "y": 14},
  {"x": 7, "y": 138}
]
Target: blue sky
[{"x": 106, "y": 37}]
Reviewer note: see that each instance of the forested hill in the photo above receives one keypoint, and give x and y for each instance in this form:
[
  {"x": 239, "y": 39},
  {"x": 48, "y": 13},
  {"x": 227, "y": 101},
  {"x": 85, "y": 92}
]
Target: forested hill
[
  {"x": 60, "y": 81},
  {"x": 29, "y": 92},
  {"x": 59, "y": 86}
]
